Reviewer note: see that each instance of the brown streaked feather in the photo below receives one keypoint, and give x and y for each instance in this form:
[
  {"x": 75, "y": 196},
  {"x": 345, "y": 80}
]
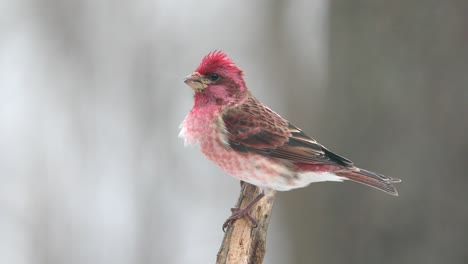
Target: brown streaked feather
[
  {"x": 251, "y": 126},
  {"x": 372, "y": 179}
]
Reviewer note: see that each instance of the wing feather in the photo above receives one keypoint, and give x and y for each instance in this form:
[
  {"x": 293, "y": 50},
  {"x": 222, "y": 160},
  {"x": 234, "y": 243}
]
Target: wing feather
[{"x": 251, "y": 126}]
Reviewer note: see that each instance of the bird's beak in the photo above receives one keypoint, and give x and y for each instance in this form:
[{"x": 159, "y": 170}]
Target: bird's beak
[{"x": 195, "y": 81}]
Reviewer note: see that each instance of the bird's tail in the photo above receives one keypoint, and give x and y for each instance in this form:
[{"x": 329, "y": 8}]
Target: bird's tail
[{"x": 372, "y": 179}]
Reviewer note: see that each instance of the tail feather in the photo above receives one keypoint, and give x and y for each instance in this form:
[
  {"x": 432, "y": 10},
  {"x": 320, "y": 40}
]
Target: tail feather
[{"x": 372, "y": 179}]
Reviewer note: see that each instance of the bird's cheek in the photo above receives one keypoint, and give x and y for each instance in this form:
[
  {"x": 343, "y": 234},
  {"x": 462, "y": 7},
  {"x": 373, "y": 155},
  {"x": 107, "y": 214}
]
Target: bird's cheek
[
  {"x": 218, "y": 93},
  {"x": 219, "y": 101}
]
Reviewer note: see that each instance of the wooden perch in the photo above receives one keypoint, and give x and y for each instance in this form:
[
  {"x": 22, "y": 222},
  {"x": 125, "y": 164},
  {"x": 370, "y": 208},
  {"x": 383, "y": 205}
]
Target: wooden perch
[{"x": 243, "y": 243}]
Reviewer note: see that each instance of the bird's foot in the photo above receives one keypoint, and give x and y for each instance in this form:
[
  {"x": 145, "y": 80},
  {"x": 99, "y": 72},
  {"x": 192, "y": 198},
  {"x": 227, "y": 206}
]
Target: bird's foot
[
  {"x": 236, "y": 214},
  {"x": 243, "y": 212}
]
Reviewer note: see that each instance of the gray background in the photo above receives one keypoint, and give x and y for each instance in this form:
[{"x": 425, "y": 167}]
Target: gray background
[{"x": 91, "y": 97}]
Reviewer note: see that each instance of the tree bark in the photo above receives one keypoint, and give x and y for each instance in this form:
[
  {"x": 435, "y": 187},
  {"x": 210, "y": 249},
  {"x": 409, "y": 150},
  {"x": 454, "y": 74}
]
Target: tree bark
[{"x": 243, "y": 243}]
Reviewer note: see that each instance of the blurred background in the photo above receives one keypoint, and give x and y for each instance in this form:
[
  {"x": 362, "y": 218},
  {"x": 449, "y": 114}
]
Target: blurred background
[{"x": 91, "y": 97}]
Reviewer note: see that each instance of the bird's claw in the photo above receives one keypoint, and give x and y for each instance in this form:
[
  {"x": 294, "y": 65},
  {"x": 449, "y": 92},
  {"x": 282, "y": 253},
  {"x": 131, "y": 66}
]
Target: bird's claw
[{"x": 236, "y": 214}]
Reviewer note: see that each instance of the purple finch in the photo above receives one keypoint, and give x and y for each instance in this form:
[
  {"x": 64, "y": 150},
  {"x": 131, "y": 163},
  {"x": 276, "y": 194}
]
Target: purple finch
[{"x": 254, "y": 144}]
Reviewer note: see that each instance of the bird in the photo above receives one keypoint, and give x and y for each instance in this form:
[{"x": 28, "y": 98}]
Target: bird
[{"x": 253, "y": 143}]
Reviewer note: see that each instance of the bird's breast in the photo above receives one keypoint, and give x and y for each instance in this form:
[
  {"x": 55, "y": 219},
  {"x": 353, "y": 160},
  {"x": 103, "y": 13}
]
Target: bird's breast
[
  {"x": 209, "y": 132},
  {"x": 200, "y": 126}
]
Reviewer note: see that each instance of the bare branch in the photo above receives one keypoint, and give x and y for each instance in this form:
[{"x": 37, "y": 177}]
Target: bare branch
[{"x": 244, "y": 243}]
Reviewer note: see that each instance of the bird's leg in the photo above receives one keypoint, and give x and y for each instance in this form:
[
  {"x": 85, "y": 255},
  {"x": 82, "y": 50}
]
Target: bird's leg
[{"x": 241, "y": 212}]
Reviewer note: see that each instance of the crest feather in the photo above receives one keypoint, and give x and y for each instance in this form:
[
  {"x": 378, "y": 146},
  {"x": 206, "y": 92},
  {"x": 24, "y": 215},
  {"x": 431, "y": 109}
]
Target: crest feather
[{"x": 215, "y": 60}]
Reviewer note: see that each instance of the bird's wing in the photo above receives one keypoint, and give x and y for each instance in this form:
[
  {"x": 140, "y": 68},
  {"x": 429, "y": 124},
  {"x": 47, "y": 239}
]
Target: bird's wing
[{"x": 251, "y": 126}]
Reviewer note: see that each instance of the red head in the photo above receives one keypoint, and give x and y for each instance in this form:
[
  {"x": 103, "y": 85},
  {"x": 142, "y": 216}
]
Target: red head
[
  {"x": 217, "y": 80},
  {"x": 215, "y": 61}
]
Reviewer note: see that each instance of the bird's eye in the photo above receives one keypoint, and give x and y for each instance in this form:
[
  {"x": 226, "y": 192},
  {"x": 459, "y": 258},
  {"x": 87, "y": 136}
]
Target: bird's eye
[{"x": 214, "y": 76}]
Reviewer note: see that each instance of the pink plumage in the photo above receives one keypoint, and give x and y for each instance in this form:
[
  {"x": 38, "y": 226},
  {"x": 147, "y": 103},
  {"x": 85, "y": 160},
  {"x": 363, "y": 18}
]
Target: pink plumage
[
  {"x": 214, "y": 61},
  {"x": 253, "y": 143}
]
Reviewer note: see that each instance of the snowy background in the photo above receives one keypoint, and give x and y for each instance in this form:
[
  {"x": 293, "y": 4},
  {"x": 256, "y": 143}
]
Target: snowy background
[{"x": 91, "y": 97}]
